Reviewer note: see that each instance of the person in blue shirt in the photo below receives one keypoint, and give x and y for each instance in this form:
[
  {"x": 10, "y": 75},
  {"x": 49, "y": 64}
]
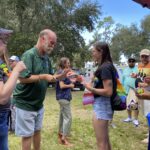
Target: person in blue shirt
[
  {"x": 129, "y": 84},
  {"x": 127, "y": 80}
]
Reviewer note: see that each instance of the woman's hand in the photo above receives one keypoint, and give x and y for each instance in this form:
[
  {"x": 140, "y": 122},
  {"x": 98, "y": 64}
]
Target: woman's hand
[
  {"x": 87, "y": 86},
  {"x": 20, "y": 66}
]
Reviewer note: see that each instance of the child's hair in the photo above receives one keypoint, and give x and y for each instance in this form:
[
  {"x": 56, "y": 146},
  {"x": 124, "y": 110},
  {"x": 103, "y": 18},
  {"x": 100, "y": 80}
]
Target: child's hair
[{"x": 62, "y": 62}]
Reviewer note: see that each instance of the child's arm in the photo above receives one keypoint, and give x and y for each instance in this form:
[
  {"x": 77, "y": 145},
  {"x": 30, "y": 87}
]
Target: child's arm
[{"x": 64, "y": 86}]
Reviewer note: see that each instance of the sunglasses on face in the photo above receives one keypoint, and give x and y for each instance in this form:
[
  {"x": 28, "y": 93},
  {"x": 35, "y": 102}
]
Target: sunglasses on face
[
  {"x": 131, "y": 61},
  {"x": 11, "y": 61},
  {"x": 144, "y": 56}
]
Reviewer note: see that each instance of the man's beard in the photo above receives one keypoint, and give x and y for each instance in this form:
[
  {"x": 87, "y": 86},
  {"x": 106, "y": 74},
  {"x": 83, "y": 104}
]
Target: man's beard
[
  {"x": 131, "y": 66},
  {"x": 47, "y": 49}
]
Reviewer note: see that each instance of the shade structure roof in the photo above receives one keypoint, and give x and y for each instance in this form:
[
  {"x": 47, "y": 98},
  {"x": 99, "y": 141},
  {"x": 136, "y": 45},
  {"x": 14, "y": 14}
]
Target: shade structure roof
[{"x": 144, "y": 3}]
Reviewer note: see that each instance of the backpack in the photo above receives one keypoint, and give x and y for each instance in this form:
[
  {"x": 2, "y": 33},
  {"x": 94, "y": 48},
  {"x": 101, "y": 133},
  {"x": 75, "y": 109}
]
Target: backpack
[{"x": 118, "y": 101}]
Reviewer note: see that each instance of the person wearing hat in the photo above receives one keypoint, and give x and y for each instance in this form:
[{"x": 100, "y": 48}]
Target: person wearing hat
[
  {"x": 13, "y": 60},
  {"x": 129, "y": 84},
  {"x": 6, "y": 87},
  {"x": 143, "y": 96},
  {"x": 142, "y": 76},
  {"x": 144, "y": 71}
]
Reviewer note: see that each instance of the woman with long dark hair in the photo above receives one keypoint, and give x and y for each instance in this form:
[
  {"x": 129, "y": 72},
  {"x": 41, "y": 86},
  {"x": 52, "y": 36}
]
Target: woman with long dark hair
[{"x": 103, "y": 88}]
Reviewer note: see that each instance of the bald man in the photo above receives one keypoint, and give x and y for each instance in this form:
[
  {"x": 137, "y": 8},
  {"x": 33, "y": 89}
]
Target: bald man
[{"x": 30, "y": 92}]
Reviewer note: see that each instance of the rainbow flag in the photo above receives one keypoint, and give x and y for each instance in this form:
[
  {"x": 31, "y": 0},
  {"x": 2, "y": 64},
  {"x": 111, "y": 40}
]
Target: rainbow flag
[
  {"x": 121, "y": 91},
  {"x": 88, "y": 98}
]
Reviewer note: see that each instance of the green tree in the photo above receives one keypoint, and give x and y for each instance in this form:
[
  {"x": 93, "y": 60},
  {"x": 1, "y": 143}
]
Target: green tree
[
  {"x": 126, "y": 41},
  {"x": 123, "y": 40},
  {"x": 130, "y": 40},
  {"x": 145, "y": 31},
  {"x": 104, "y": 30},
  {"x": 67, "y": 17}
]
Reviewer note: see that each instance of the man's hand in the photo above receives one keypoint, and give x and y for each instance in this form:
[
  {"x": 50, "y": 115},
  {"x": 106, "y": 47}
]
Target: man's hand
[
  {"x": 47, "y": 77},
  {"x": 145, "y": 95},
  {"x": 142, "y": 84},
  {"x": 147, "y": 79}
]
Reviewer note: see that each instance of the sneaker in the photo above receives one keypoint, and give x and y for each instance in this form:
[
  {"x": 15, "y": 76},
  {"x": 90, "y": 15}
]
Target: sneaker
[
  {"x": 113, "y": 125},
  {"x": 127, "y": 120},
  {"x": 136, "y": 123},
  {"x": 145, "y": 141}
]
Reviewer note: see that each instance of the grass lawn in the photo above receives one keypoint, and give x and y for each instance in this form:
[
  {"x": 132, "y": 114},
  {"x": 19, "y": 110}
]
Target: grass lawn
[{"x": 124, "y": 137}]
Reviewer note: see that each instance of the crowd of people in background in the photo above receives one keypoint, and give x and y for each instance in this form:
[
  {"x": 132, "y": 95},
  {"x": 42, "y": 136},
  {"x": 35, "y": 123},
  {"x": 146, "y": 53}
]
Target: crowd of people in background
[{"x": 25, "y": 79}]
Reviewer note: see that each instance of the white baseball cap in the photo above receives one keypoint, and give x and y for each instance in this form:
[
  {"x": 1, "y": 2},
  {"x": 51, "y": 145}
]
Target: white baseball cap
[
  {"x": 14, "y": 58},
  {"x": 145, "y": 52}
]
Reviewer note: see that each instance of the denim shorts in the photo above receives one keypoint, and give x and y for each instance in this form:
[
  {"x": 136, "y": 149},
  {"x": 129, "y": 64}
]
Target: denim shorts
[
  {"x": 4, "y": 130},
  {"x": 102, "y": 108},
  {"x": 27, "y": 122}
]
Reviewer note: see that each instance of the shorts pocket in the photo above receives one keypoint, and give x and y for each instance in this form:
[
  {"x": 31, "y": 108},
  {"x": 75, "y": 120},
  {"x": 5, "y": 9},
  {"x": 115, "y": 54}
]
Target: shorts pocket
[{"x": 3, "y": 123}]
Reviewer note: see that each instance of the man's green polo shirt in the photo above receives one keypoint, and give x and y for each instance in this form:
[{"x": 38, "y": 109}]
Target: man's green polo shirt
[{"x": 31, "y": 96}]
